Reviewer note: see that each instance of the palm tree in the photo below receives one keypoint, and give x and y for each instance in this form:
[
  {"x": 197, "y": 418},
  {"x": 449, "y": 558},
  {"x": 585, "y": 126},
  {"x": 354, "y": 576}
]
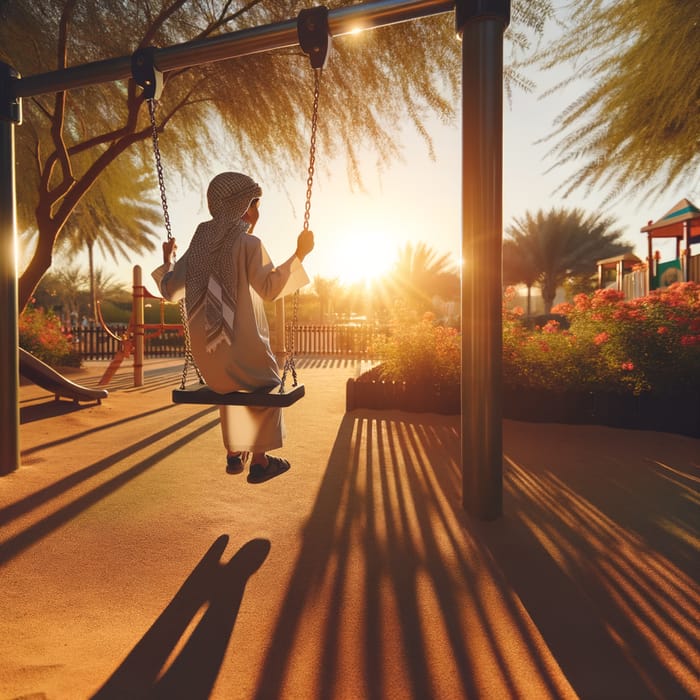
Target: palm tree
[
  {"x": 419, "y": 274},
  {"x": 64, "y": 289},
  {"x": 107, "y": 287},
  {"x": 550, "y": 248}
]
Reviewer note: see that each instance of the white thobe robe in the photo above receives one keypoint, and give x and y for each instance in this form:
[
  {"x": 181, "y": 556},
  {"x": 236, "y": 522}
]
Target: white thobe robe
[{"x": 248, "y": 363}]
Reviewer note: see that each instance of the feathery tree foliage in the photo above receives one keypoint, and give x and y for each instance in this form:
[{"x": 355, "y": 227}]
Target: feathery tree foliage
[
  {"x": 252, "y": 111},
  {"x": 551, "y": 247},
  {"x": 637, "y": 129}
]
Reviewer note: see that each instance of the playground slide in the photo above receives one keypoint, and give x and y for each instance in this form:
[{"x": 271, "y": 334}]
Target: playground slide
[{"x": 48, "y": 378}]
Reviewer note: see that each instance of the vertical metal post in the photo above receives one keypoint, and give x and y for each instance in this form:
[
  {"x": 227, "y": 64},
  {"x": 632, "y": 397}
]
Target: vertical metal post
[
  {"x": 10, "y": 114},
  {"x": 139, "y": 319},
  {"x": 481, "y": 24}
]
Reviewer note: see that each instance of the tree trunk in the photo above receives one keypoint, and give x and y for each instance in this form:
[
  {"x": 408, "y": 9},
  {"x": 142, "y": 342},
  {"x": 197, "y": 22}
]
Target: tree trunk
[
  {"x": 529, "y": 300},
  {"x": 39, "y": 264},
  {"x": 549, "y": 291}
]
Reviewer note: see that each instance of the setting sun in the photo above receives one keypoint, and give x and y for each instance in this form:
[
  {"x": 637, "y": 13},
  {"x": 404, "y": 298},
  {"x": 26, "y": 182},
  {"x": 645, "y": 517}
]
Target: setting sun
[{"x": 362, "y": 256}]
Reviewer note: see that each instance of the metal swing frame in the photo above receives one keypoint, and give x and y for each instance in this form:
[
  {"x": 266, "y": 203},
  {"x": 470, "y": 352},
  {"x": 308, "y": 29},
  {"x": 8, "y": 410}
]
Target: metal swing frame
[{"x": 480, "y": 24}]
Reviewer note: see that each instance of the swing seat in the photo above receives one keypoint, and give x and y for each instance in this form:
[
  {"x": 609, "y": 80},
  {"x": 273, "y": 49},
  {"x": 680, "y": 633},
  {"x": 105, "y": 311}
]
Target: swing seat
[{"x": 202, "y": 394}]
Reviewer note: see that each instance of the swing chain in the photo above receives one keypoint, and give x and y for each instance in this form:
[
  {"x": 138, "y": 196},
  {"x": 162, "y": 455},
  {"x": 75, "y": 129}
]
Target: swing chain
[
  {"x": 289, "y": 362},
  {"x": 312, "y": 148},
  {"x": 189, "y": 359},
  {"x": 159, "y": 167}
]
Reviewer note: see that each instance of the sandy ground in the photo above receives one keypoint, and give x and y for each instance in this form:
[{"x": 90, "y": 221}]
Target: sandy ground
[{"x": 133, "y": 566}]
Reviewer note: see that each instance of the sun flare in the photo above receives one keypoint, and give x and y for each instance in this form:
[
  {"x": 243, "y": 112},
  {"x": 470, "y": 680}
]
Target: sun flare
[{"x": 363, "y": 256}]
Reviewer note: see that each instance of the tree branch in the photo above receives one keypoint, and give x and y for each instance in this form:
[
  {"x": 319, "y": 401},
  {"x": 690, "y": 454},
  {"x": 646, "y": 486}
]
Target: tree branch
[
  {"x": 59, "y": 117},
  {"x": 158, "y": 22},
  {"x": 134, "y": 105},
  {"x": 238, "y": 13}
]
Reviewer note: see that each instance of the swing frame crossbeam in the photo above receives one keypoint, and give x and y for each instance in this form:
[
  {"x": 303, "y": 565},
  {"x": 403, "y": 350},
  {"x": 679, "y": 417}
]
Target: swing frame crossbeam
[
  {"x": 481, "y": 25},
  {"x": 244, "y": 42}
]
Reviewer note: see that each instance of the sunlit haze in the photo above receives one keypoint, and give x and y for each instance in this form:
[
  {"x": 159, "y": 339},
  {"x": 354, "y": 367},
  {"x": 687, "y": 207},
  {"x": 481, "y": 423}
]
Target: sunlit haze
[{"x": 367, "y": 255}]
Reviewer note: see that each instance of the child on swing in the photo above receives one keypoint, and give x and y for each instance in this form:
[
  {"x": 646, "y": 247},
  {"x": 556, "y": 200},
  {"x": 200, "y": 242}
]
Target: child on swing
[{"x": 224, "y": 276}]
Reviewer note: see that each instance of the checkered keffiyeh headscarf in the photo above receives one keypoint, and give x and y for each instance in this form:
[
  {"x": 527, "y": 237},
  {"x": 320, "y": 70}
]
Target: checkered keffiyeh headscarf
[{"x": 211, "y": 265}]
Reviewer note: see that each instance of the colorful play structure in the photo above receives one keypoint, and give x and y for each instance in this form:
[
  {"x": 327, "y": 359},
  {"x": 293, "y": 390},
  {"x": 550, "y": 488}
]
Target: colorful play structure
[
  {"x": 635, "y": 277},
  {"x": 132, "y": 339}
]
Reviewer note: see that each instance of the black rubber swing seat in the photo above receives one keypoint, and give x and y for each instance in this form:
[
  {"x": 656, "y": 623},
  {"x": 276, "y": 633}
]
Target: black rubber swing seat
[{"x": 202, "y": 394}]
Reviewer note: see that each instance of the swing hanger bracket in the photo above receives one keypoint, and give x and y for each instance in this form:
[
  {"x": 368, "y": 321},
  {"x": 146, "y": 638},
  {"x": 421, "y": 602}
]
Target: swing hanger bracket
[
  {"x": 314, "y": 35},
  {"x": 145, "y": 73}
]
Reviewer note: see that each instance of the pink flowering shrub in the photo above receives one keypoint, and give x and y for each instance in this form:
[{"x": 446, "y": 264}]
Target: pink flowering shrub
[
  {"x": 651, "y": 344},
  {"x": 40, "y": 334},
  {"x": 419, "y": 352},
  {"x": 603, "y": 344}
]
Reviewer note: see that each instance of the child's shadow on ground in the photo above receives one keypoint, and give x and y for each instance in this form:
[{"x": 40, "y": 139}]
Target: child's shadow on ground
[{"x": 194, "y": 670}]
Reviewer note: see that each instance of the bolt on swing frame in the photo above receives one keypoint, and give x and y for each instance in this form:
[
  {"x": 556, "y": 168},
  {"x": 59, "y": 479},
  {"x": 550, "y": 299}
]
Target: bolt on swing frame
[{"x": 481, "y": 24}]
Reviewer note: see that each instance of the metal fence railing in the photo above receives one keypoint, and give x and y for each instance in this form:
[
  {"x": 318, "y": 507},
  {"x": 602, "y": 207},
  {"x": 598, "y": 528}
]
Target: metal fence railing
[
  {"x": 330, "y": 339},
  {"x": 94, "y": 343}
]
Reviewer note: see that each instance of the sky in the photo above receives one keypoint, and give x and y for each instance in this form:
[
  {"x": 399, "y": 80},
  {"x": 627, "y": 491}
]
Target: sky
[{"x": 415, "y": 200}]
